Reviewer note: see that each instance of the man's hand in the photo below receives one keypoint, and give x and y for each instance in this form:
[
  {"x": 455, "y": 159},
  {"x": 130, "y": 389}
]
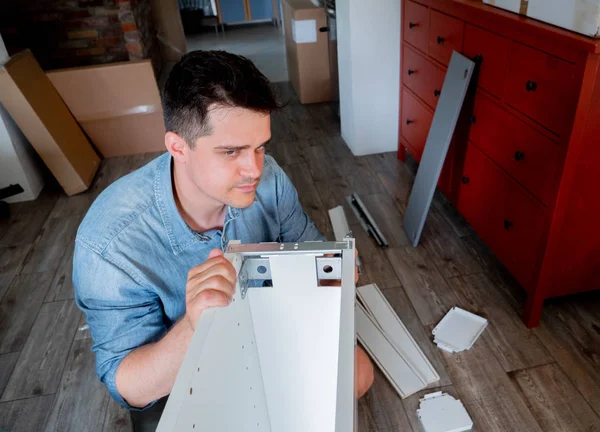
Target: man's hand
[{"x": 211, "y": 284}]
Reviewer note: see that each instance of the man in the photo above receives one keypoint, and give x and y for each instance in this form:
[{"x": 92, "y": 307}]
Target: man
[{"x": 149, "y": 253}]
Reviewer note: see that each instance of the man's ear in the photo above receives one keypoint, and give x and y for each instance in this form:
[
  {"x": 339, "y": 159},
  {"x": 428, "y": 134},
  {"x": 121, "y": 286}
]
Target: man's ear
[{"x": 176, "y": 145}]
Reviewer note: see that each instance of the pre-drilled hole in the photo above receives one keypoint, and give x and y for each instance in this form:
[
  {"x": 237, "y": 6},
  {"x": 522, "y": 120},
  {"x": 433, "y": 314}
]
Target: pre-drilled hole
[
  {"x": 261, "y": 269},
  {"x": 327, "y": 269},
  {"x": 190, "y": 390}
]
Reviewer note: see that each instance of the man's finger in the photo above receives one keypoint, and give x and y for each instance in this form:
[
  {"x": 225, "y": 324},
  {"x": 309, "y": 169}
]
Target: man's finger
[
  {"x": 217, "y": 283},
  {"x": 211, "y": 298},
  {"x": 226, "y": 270}
]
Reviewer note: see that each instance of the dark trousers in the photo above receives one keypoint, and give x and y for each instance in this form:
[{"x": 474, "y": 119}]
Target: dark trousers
[{"x": 147, "y": 420}]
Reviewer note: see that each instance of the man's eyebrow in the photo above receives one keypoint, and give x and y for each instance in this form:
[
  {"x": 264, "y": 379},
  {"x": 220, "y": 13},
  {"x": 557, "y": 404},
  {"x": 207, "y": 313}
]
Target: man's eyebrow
[
  {"x": 242, "y": 147},
  {"x": 231, "y": 147}
]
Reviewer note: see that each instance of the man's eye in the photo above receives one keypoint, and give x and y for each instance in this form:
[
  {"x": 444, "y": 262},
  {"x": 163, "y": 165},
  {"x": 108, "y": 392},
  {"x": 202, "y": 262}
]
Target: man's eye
[
  {"x": 231, "y": 152},
  {"x": 261, "y": 148}
]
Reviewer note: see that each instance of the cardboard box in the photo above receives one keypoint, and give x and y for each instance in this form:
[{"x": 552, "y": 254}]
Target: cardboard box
[
  {"x": 33, "y": 103},
  {"x": 581, "y": 16},
  {"x": 307, "y": 50},
  {"x": 170, "y": 29},
  {"x": 117, "y": 105}
]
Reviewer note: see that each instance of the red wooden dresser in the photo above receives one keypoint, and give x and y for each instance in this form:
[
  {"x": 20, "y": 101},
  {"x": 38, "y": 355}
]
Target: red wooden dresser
[{"x": 525, "y": 170}]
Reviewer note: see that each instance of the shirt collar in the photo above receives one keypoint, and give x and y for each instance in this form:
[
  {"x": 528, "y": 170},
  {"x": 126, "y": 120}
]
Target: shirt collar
[{"x": 180, "y": 235}]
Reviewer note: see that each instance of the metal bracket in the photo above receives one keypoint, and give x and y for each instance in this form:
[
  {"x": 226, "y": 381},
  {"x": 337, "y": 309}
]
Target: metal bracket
[
  {"x": 256, "y": 267},
  {"x": 365, "y": 219}
]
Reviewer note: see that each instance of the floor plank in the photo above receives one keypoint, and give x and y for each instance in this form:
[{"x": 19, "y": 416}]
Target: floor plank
[
  {"x": 381, "y": 410},
  {"x": 82, "y": 400},
  {"x": 458, "y": 223},
  {"x": 27, "y": 218},
  {"x": 514, "y": 345},
  {"x": 555, "y": 403},
  {"x": 379, "y": 272},
  {"x": 118, "y": 419},
  {"x": 54, "y": 238},
  {"x": 61, "y": 287},
  {"x": 25, "y": 415},
  {"x": 322, "y": 163},
  {"x": 324, "y": 116},
  {"x": 489, "y": 396},
  {"x": 573, "y": 347},
  {"x": 281, "y": 129},
  {"x": 394, "y": 176},
  {"x": 19, "y": 309},
  {"x": 333, "y": 193},
  {"x": 411, "y": 404},
  {"x": 510, "y": 289},
  {"x": 301, "y": 122},
  {"x": 360, "y": 177},
  {"x": 399, "y": 301},
  {"x": 387, "y": 216},
  {"x": 43, "y": 357},
  {"x": 335, "y": 145},
  {"x": 449, "y": 254},
  {"x": 288, "y": 152},
  {"x": 11, "y": 260},
  {"x": 427, "y": 290},
  {"x": 7, "y": 364}
]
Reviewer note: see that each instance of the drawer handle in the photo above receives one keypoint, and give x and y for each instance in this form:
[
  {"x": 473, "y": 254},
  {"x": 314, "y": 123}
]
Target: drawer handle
[
  {"x": 410, "y": 71},
  {"x": 465, "y": 180},
  {"x": 324, "y": 29},
  {"x": 409, "y": 121},
  {"x": 473, "y": 120},
  {"x": 519, "y": 155},
  {"x": 440, "y": 40},
  {"x": 507, "y": 224},
  {"x": 412, "y": 25},
  {"x": 436, "y": 93},
  {"x": 531, "y": 86}
]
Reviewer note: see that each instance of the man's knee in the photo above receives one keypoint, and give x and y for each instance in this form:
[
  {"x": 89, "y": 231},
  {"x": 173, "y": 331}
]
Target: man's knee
[{"x": 364, "y": 372}]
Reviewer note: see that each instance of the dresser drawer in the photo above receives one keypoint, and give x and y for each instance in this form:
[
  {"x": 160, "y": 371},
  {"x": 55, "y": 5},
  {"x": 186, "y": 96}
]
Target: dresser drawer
[
  {"x": 542, "y": 87},
  {"x": 527, "y": 155},
  {"x": 492, "y": 50},
  {"x": 445, "y": 36},
  {"x": 416, "y": 25},
  {"x": 415, "y": 120},
  {"x": 422, "y": 76},
  {"x": 505, "y": 217}
]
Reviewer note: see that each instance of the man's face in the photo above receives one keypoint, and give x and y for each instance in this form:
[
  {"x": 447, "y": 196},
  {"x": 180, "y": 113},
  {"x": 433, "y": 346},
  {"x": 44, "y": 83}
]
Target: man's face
[{"x": 227, "y": 164}]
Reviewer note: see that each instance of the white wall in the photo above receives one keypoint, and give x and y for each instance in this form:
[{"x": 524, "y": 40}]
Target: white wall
[{"x": 369, "y": 69}]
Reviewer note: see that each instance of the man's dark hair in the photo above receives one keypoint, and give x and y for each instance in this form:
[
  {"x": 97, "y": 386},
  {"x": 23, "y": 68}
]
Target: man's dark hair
[{"x": 202, "y": 80}]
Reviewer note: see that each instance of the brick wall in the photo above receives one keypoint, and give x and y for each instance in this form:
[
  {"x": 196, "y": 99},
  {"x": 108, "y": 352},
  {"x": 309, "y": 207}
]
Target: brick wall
[{"x": 69, "y": 33}]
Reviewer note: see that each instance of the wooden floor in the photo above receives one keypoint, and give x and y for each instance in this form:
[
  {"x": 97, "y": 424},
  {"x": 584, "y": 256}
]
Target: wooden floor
[{"x": 513, "y": 379}]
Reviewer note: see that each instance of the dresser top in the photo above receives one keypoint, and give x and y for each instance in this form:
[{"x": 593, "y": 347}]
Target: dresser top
[{"x": 477, "y": 10}]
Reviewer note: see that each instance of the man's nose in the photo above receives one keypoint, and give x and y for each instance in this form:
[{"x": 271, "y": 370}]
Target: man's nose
[{"x": 251, "y": 166}]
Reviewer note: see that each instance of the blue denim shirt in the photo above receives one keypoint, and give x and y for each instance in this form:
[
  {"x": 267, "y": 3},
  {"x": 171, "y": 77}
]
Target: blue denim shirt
[{"x": 133, "y": 252}]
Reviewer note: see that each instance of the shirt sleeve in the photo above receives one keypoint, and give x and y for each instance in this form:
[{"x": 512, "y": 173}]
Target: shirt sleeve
[
  {"x": 295, "y": 225},
  {"x": 121, "y": 313}
]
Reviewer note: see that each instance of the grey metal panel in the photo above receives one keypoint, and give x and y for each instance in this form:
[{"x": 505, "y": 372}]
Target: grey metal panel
[{"x": 440, "y": 134}]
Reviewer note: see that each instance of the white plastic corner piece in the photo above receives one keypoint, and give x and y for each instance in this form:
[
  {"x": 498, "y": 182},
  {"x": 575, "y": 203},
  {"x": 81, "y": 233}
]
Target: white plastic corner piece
[
  {"x": 458, "y": 330},
  {"x": 440, "y": 412}
]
